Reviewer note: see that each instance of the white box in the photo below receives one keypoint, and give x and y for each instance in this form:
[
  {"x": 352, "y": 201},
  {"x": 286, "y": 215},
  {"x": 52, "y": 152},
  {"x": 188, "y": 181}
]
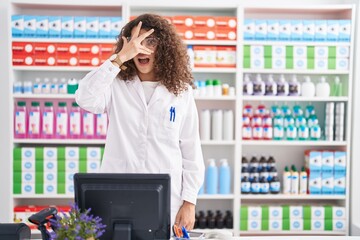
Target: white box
[
  {"x": 28, "y": 188},
  {"x": 275, "y": 212},
  {"x": 321, "y": 51},
  {"x": 27, "y": 177},
  {"x": 50, "y": 188},
  {"x": 342, "y": 64},
  {"x": 29, "y": 26},
  {"x": 296, "y": 30},
  {"x": 257, "y": 62},
  {"x": 342, "y": 52},
  {"x": 344, "y": 30},
  {"x": 260, "y": 30},
  {"x": 315, "y": 184},
  {"x": 278, "y": 63},
  {"x": 339, "y": 225},
  {"x": 317, "y": 212},
  {"x": 338, "y": 213},
  {"x": 28, "y": 154},
  {"x": 296, "y": 224},
  {"x": 272, "y": 30},
  {"x": 296, "y": 212},
  {"x": 79, "y": 27},
  {"x": 17, "y": 25},
  {"x": 50, "y": 177},
  {"x": 50, "y": 153},
  {"x": 321, "y": 63},
  {"x": 254, "y": 212},
  {"x": 275, "y": 224},
  {"x": 256, "y": 51},
  {"x": 93, "y": 166},
  {"x": 72, "y": 153},
  {"x": 92, "y": 27},
  {"x": 300, "y": 63},
  {"x": 71, "y": 165},
  {"x": 69, "y": 178},
  {"x": 278, "y": 51},
  {"x": 308, "y": 30},
  {"x": 254, "y": 225},
  {"x": 28, "y": 165},
  {"x": 284, "y": 30},
  {"x": 317, "y": 224},
  {"x": 249, "y": 29},
  {"x": 320, "y": 30},
  {"x": 332, "y": 30},
  {"x": 327, "y": 184},
  {"x": 69, "y": 189},
  {"x": 93, "y": 153},
  {"x": 50, "y": 166},
  {"x": 300, "y": 52},
  {"x": 67, "y": 26}
]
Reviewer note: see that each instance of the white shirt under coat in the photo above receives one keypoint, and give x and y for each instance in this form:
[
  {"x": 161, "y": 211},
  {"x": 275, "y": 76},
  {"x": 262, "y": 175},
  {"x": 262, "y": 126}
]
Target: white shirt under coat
[{"x": 147, "y": 137}]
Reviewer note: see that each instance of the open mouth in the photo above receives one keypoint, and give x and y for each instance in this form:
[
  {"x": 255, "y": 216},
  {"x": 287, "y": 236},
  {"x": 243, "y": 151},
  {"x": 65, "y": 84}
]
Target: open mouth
[{"x": 144, "y": 60}]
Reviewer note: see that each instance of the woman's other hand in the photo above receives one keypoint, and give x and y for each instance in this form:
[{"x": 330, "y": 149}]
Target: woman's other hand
[{"x": 186, "y": 216}]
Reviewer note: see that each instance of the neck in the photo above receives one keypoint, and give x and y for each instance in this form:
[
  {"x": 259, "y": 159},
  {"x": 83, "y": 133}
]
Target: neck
[{"x": 147, "y": 77}]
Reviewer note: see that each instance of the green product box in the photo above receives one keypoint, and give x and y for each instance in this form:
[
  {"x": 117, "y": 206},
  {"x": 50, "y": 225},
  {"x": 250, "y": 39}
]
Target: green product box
[
  {"x": 246, "y": 51},
  {"x": 39, "y": 165},
  {"x": 328, "y": 224},
  {"x": 332, "y": 52},
  {"x": 289, "y": 64},
  {"x": 331, "y": 63},
  {"x": 102, "y": 152},
  {"x": 39, "y": 153},
  {"x": 328, "y": 209},
  {"x": 310, "y": 63},
  {"x": 17, "y": 188},
  {"x": 83, "y": 166},
  {"x": 307, "y": 224},
  {"x": 265, "y": 212},
  {"x": 290, "y": 52},
  {"x": 82, "y": 153},
  {"x": 243, "y": 224},
  {"x": 61, "y": 165},
  {"x": 61, "y": 153},
  {"x": 61, "y": 188},
  {"x": 39, "y": 188},
  {"x": 17, "y": 166},
  {"x": 244, "y": 212},
  {"x": 268, "y": 51},
  {"x": 286, "y": 211},
  {"x": 264, "y": 225},
  {"x": 39, "y": 177},
  {"x": 61, "y": 178},
  {"x": 17, "y": 153},
  {"x": 17, "y": 177},
  {"x": 307, "y": 212},
  {"x": 310, "y": 52},
  {"x": 286, "y": 225},
  {"x": 247, "y": 62},
  {"x": 268, "y": 63}
]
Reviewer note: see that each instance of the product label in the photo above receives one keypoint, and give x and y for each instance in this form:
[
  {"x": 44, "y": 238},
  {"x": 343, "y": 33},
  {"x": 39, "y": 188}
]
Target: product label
[
  {"x": 264, "y": 187},
  {"x": 275, "y": 187},
  {"x": 20, "y": 122},
  {"x": 278, "y": 132},
  {"x": 48, "y": 123},
  {"x": 246, "y": 132},
  {"x": 245, "y": 187},
  {"x": 101, "y": 124},
  {"x": 255, "y": 187},
  {"x": 88, "y": 121},
  {"x": 34, "y": 123},
  {"x": 75, "y": 123},
  {"x": 61, "y": 124}
]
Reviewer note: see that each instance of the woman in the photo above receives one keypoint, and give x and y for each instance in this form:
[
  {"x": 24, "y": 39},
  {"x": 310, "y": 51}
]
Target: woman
[{"x": 146, "y": 90}]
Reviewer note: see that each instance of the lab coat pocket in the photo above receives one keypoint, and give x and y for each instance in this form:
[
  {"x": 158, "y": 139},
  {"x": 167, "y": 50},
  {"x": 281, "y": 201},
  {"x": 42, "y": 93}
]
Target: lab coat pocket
[{"x": 172, "y": 118}]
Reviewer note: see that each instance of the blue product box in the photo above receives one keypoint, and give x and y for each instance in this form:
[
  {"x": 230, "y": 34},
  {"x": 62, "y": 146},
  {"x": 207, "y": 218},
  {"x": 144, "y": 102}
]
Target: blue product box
[
  {"x": 320, "y": 30},
  {"x": 296, "y": 30},
  {"x": 284, "y": 30},
  {"x": 340, "y": 163},
  {"x": 92, "y": 27},
  {"x": 67, "y": 27},
  {"x": 249, "y": 29},
  {"x": 315, "y": 183},
  {"x": 116, "y": 25},
  {"x": 42, "y": 26},
  {"x": 327, "y": 167},
  {"x": 79, "y": 27},
  {"x": 308, "y": 30},
  {"x": 339, "y": 184},
  {"x": 260, "y": 30},
  {"x": 315, "y": 162},
  {"x": 272, "y": 29},
  {"x": 327, "y": 184},
  {"x": 29, "y": 26},
  {"x": 17, "y": 25},
  {"x": 54, "y": 26},
  {"x": 332, "y": 30},
  {"x": 104, "y": 27},
  {"x": 344, "y": 30}
]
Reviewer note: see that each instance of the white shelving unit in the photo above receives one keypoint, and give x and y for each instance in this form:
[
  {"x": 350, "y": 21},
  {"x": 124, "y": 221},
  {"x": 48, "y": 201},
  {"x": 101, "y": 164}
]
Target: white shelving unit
[{"x": 232, "y": 150}]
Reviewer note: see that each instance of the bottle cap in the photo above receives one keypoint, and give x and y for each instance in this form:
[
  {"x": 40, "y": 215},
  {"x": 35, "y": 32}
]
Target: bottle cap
[
  {"x": 35, "y": 104},
  {"x": 286, "y": 169},
  {"x": 74, "y": 104},
  {"x": 209, "y": 82},
  {"x": 48, "y": 104},
  {"x": 216, "y": 82},
  {"x": 21, "y": 104},
  {"x": 62, "y": 104}
]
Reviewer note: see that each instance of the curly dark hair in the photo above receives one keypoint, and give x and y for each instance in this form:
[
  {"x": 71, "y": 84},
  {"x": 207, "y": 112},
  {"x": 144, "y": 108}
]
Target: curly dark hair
[{"x": 171, "y": 68}]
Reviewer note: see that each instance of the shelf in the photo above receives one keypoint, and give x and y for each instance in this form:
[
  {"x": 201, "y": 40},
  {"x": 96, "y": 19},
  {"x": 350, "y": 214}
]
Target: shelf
[
  {"x": 62, "y": 68},
  {"x": 264, "y": 233},
  {"x": 295, "y": 71},
  {"x": 215, "y": 196},
  {"x": 294, "y": 43},
  {"x": 61, "y": 141},
  {"x": 211, "y": 42},
  {"x": 292, "y": 143},
  {"x": 44, "y": 96},
  {"x": 214, "y": 70},
  {"x": 294, "y": 99},
  {"x": 66, "y": 40},
  {"x": 222, "y": 98},
  {"x": 217, "y": 143},
  {"x": 291, "y": 197},
  {"x": 41, "y": 196}
]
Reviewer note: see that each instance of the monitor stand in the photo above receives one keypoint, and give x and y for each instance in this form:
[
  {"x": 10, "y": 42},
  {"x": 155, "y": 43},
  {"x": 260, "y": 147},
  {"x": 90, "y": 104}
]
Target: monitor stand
[{"x": 122, "y": 231}]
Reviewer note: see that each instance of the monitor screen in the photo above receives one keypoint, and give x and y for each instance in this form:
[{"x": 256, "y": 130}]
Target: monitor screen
[{"x": 132, "y": 206}]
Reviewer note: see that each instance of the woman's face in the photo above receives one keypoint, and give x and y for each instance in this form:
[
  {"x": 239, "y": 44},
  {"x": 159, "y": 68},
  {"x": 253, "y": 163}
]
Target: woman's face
[{"x": 143, "y": 62}]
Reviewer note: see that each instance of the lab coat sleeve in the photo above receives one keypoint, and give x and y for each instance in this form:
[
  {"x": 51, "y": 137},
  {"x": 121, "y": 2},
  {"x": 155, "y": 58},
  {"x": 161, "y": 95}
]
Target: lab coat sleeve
[
  {"x": 190, "y": 145},
  {"x": 94, "y": 92}
]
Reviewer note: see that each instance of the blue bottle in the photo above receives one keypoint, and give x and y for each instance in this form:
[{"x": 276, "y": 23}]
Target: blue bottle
[
  {"x": 211, "y": 177},
  {"x": 224, "y": 177}
]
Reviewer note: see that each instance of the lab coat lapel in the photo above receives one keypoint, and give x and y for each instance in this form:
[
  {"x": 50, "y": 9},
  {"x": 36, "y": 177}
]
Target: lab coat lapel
[
  {"x": 138, "y": 88},
  {"x": 160, "y": 93}
]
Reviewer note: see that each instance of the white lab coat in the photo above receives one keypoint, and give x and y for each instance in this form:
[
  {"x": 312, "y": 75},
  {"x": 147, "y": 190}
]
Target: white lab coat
[{"x": 147, "y": 138}]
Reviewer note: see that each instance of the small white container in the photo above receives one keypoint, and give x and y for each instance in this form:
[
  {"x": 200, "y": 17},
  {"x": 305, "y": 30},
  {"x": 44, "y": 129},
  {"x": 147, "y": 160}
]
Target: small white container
[
  {"x": 307, "y": 88},
  {"x": 322, "y": 88}
]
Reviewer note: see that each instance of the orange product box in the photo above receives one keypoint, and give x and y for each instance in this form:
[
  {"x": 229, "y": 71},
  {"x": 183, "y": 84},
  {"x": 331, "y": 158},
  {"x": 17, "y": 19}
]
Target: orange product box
[
  {"x": 66, "y": 60},
  {"x": 67, "y": 49},
  {"x": 226, "y": 22},
  {"x": 89, "y": 49},
  {"x": 44, "y": 59},
  {"x": 183, "y": 21},
  {"x": 89, "y": 61},
  {"x": 106, "y": 50},
  {"x": 44, "y": 48},
  {"x": 226, "y": 56},
  {"x": 205, "y": 56},
  {"x": 22, "y": 60},
  {"x": 185, "y": 33},
  {"x": 204, "y": 33},
  {"x": 225, "y": 34},
  {"x": 22, "y": 47},
  {"x": 204, "y": 21}
]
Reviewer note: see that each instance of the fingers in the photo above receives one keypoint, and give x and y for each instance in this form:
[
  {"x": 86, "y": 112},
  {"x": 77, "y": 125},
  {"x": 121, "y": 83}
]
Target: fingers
[
  {"x": 145, "y": 50},
  {"x": 137, "y": 30},
  {"x": 124, "y": 40},
  {"x": 145, "y": 35}
]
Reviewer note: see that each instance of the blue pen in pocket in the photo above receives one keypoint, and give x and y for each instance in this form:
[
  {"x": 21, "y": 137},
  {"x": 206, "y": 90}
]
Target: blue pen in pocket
[
  {"x": 185, "y": 233},
  {"x": 172, "y": 114}
]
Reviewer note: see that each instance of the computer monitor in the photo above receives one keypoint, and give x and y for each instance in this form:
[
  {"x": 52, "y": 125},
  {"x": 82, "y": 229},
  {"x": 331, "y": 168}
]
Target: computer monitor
[{"x": 132, "y": 206}]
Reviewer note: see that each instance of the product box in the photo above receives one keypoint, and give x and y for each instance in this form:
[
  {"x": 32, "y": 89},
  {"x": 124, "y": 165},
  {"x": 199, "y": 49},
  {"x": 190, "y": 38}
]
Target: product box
[
  {"x": 317, "y": 225},
  {"x": 44, "y": 60},
  {"x": 338, "y": 225},
  {"x": 27, "y": 177},
  {"x": 296, "y": 30},
  {"x": 93, "y": 153},
  {"x": 79, "y": 27},
  {"x": 314, "y": 162},
  {"x": 296, "y": 224},
  {"x": 321, "y": 63},
  {"x": 50, "y": 177},
  {"x": 50, "y": 165},
  {"x": 226, "y": 22},
  {"x": 22, "y": 59},
  {"x": 42, "y": 26},
  {"x": 317, "y": 212},
  {"x": 67, "y": 26},
  {"x": 92, "y": 166},
  {"x": 72, "y": 153},
  {"x": 340, "y": 163},
  {"x": 342, "y": 52},
  {"x": 204, "y": 33},
  {"x": 327, "y": 163},
  {"x": 342, "y": 63},
  {"x": 254, "y": 212},
  {"x": 275, "y": 212},
  {"x": 257, "y": 62},
  {"x": 23, "y": 48},
  {"x": 66, "y": 61},
  {"x": 183, "y": 21},
  {"x": 92, "y": 27},
  {"x": 204, "y": 21},
  {"x": 54, "y": 26},
  {"x": 339, "y": 184},
  {"x": 338, "y": 213},
  {"x": 104, "y": 27},
  {"x": 17, "y": 25},
  {"x": 254, "y": 225},
  {"x": 332, "y": 30},
  {"x": 205, "y": 56},
  {"x": 299, "y": 51},
  {"x": 28, "y": 189},
  {"x": 284, "y": 30},
  {"x": 344, "y": 30},
  {"x": 50, "y": 188},
  {"x": 260, "y": 30},
  {"x": 315, "y": 183},
  {"x": 278, "y": 51},
  {"x": 278, "y": 63},
  {"x": 320, "y": 30},
  {"x": 321, "y": 51},
  {"x": 256, "y": 51},
  {"x": 225, "y": 34},
  {"x": 249, "y": 29},
  {"x": 308, "y": 30},
  {"x": 185, "y": 33},
  {"x": 50, "y": 153},
  {"x": 29, "y": 26},
  {"x": 69, "y": 189},
  {"x": 67, "y": 49},
  {"x": 44, "y": 48},
  {"x": 226, "y": 56},
  {"x": 272, "y": 30},
  {"x": 116, "y": 25},
  {"x": 72, "y": 165},
  {"x": 27, "y": 154},
  {"x": 275, "y": 224},
  {"x": 296, "y": 212},
  {"x": 300, "y": 63},
  {"x": 327, "y": 184}
]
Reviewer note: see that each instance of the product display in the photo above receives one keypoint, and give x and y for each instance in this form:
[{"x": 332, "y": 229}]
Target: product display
[
  {"x": 217, "y": 124},
  {"x": 213, "y": 221},
  {"x": 217, "y": 178}
]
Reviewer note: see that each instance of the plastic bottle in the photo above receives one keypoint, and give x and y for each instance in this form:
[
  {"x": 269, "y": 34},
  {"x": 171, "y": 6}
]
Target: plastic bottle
[
  {"x": 75, "y": 121},
  {"x": 322, "y": 88},
  {"x": 275, "y": 185},
  {"x": 278, "y": 132},
  {"x": 54, "y": 87},
  {"x": 217, "y": 88},
  {"x": 72, "y": 86},
  {"x": 244, "y": 162},
  {"x": 270, "y": 86},
  {"x": 34, "y": 130},
  {"x": 271, "y": 163},
  {"x": 309, "y": 110},
  {"x": 101, "y": 125},
  {"x": 268, "y": 132},
  {"x": 245, "y": 172},
  {"x": 264, "y": 173},
  {"x": 255, "y": 186},
  {"x": 202, "y": 88},
  {"x": 205, "y": 126},
  {"x": 245, "y": 185},
  {"x": 254, "y": 173},
  {"x": 209, "y": 88},
  {"x": 48, "y": 121},
  {"x": 217, "y": 125},
  {"x": 294, "y": 87},
  {"x": 294, "y": 180},
  {"x": 20, "y": 120},
  {"x": 224, "y": 177},
  {"x": 225, "y": 89},
  {"x": 264, "y": 185},
  {"x": 61, "y": 121},
  {"x": 63, "y": 86},
  {"x": 211, "y": 177},
  {"x": 307, "y": 88},
  {"x": 247, "y": 85},
  {"x": 297, "y": 111},
  {"x": 275, "y": 110},
  {"x": 18, "y": 87},
  {"x": 303, "y": 132},
  {"x": 88, "y": 124},
  {"x": 228, "y": 125},
  {"x": 262, "y": 163},
  {"x": 28, "y": 87},
  {"x": 272, "y": 173},
  {"x": 291, "y": 132},
  {"x": 37, "y": 86},
  {"x": 303, "y": 181},
  {"x": 258, "y": 86},
  {"x": 286, "y": 181},
  {"x": 315, "y": 132},
  {"x": 336, "y": 88},
  {"x": 246, "y": 132},
  {"x": 282, "y": 86},
  {"x": 191, "y": 54},
  {"x": 258, "y": 132},
  {"x": 45, "y": 86},
  {"x": 254, "y": 163}
]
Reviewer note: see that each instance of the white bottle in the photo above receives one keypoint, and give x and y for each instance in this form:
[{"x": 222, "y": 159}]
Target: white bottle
[
  {"x": 37, "y": 86},
  {"x": 307, "y": 88},
  {"x": 322, "y": 88},
  {"x": 247, "y": 85},
  {"x": 258, "y": 86},
  {"x": 294, "y": 180},
  {"x": 294, "y": 87},
  {"x": 63, "y": 86},
  {"x": 286, "y": 181},
  {"x": 303, "y": 181},
  {"x": 28, "y": 87},
  {"x": 54, "y": 88},
  {"x": 282, "y": 86},
  {"x": 45, "y": 86},
  {"x": 205, "y": 125},
  {"x": 228, "y": 125},
  {"x": 191, "y": 54},
  {"x": 270, "y": 86},
  {"x": 217, "y": 125}
]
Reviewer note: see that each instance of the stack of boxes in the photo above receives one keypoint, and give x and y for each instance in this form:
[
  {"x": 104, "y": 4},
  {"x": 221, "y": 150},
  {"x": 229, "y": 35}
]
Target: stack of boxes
[
  {"x": 50, "y": 170},
  {"x": 215, "y": 56},
  {"x": 292, "y": 218},
  {"x": 326, "y": 171}
]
